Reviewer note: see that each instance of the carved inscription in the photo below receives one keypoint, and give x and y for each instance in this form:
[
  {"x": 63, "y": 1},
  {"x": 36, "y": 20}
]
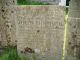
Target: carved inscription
[{"x": 41, "y": 28}]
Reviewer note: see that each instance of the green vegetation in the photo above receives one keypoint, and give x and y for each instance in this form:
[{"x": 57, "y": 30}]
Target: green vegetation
[
  {"x": 67, "y": 9},
  {"x": 28, "y": 2},
  {"x": 10, "y": 53},
  {"x": 23, "y": 57}
]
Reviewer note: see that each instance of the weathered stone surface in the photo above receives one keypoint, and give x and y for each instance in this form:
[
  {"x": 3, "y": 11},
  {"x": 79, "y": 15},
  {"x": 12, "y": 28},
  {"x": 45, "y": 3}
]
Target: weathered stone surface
[
  {"x": 2, "y": 29},
  {"x": 7, "y": 22},
  {"x": 8, "y": 2},
  {"x": 41, "y": 28},
  {"x": 73, "y": 40}
]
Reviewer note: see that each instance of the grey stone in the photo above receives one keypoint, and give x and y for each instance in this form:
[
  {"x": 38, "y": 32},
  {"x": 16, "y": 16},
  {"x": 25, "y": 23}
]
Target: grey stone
[
  {"x": 73, "y": 33},
  {"x": 41, "y": 28},
  {"x": 7, "y": 22}
]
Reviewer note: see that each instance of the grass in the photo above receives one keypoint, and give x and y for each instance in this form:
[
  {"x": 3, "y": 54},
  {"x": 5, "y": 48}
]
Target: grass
[
  {"x": 28, "y": 2},
  {"x": 10, "y": 53}
]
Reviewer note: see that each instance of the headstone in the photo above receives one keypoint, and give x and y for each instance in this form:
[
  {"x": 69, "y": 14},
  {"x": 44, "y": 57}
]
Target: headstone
[
  {"x": 7, "y": 14},
  {"x": 40, "y": 31},
  {"x": 2, "y": 28},
  {"x": 73, "y": 33}
]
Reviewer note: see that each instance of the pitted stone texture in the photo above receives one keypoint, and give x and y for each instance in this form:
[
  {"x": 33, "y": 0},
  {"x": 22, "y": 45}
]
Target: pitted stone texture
[
  {"x": 7, "y": 12},
  {"x": 73, "y": 46},
  {"x": 73, "y": 33},
  {"x": 41, "y": 28},
  {"x": 10, "y": 18},
  {"x": 2, "y": 29},
  {"x": 8, "y": 2}
]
